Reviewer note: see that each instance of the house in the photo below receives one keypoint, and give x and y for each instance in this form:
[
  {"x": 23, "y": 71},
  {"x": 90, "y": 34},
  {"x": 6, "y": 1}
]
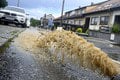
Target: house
[
  {"x": 100, "y": 16},
  {"x": 102, "y": 19},
  {"x": 76, "y": 18},
  {"x": 103, "y": 16},
  {"x": 47, "y": 20},
  {"x": 72, "y": 19}
]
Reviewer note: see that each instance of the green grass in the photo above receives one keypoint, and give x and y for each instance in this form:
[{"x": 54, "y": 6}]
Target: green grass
[
  {"x": 5, "y": 46},
  {"x": 13, "y": 32}
]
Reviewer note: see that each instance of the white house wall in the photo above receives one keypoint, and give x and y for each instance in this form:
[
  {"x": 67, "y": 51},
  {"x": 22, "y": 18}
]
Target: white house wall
[
  {"x": 82, "y": 21},
  {"x": 74, "y": 21},
  {"x": 96, "y": 27}
]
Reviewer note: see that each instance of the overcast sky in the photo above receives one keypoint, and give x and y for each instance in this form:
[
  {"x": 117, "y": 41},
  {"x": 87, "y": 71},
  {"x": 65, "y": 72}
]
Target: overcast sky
[{"x": 38, "y": 8}]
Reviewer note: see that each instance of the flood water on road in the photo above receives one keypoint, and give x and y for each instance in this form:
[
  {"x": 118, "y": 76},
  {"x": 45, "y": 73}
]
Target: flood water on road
[{"x": 19, "y": 64}]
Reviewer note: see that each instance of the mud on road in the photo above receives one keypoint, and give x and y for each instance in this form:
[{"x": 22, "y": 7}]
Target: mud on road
[{"x": 17, "y": 63}]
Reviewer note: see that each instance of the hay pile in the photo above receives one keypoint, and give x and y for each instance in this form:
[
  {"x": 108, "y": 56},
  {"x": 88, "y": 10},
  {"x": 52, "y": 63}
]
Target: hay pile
[{"x": 64, "y": 44}]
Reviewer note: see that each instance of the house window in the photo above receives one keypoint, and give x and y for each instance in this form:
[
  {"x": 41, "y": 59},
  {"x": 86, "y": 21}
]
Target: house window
[
  {"x": 76, "y": 22},
  {"x": 71, "y": 21},
  {"x": 94, "y": 20},
  {"x": 104, "y": 20}
]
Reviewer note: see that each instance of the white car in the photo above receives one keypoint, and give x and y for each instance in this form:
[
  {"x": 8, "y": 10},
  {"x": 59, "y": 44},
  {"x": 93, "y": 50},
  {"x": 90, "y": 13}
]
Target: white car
[{"x": 14, "y": 15}]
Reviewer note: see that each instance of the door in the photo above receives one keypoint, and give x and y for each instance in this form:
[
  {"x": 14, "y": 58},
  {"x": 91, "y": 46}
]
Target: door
[{"x": 87, "y": 21}]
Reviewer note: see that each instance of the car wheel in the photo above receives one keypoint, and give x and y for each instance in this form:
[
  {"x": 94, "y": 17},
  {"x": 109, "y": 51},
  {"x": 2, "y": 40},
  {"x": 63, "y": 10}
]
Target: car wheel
[
  {"x": 0, "y": 22},
  {"x": 16, "y": 25},
  {"x": 24, "y": 25},
  {"x": 5, "y": 23}
]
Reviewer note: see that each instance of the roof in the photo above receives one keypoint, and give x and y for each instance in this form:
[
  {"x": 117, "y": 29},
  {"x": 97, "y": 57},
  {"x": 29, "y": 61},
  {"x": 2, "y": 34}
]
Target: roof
[
  {"x": 86, "y": 6},
  {"x": 99, "y": 7},
  {"x": 75, "y": 9},
  {"x": 110, "y": 4}
]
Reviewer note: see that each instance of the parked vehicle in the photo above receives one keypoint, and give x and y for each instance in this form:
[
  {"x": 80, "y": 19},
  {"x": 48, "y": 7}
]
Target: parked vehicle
[{"x": 15, "y": 15}]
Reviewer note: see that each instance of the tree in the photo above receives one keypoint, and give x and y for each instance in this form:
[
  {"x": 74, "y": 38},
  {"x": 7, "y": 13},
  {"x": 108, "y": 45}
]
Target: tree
[
  {"x": 3, "y": 3},
  {"x": 34, "y": 22}
]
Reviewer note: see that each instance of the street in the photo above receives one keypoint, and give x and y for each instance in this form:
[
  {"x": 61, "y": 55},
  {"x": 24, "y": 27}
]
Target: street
[
  {"x": 7, "y": 32},
  {"x": 16, "y": 63},
  {"x": 61, "y": 40},
  {"x": 107, "y": 46}
]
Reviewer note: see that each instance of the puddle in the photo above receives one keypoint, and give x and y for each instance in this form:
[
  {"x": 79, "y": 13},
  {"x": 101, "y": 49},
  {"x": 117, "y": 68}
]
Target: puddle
[
  {"x": 59, "y": 55},
  {"x": 18, "y": 64},
  {"x": 67, "y": 48}
]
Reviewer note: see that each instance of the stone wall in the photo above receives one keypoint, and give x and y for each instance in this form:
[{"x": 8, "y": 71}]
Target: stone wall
[{"x": 104, "y": 35}]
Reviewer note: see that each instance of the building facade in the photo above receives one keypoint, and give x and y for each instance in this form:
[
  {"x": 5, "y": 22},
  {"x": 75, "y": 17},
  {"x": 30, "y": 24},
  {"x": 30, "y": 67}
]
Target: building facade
[
  {"x": 47, "y": 21},
  {"x": 98, "y": 17}
]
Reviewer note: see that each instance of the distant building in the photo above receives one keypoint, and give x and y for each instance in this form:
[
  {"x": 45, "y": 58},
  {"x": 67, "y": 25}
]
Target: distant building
[{"x": 47, "y": 20}]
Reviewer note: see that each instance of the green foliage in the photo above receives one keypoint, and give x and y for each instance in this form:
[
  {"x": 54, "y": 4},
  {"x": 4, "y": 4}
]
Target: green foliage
[
  {"x": 34, "y": 22},
  {"x": 116, "y": 28},
  {"x": 87, "y": 31},
  {"x": 79, "y": 30},
  {"x": 5, "y": 46},
  {"x": 3, "y": 3}
]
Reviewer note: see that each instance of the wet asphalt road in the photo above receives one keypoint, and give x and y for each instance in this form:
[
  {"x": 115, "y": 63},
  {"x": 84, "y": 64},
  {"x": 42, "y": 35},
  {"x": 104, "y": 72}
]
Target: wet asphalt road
[
  {"x": 7, "y": 32},
  {"x": 17, "y": 64},
  {"x": 113, "y": 51}
]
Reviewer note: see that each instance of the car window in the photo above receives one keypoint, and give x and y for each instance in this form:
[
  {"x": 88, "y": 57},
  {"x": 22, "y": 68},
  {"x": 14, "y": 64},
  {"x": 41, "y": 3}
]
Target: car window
[{"x": 15, "y": 9}]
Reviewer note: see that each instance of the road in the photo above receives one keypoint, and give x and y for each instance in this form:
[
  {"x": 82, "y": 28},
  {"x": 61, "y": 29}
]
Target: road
[
  {"x": 7, "y": 32},
  {"x": 107, "y": 46},
  {"x": 18, "y": 64}
]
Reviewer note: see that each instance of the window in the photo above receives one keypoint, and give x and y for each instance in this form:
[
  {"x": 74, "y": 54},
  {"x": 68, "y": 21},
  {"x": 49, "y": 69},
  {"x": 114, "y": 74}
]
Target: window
[
  {"x": 71, "y": 21},
  {"x": 104, "y": 20},
  {"x": 72, "y": 13},
  {"x": 76, "y": 22},
  {"x": 94, "y": 20}
]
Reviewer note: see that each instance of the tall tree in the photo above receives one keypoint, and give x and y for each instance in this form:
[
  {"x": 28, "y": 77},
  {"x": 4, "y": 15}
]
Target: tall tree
[{"x": 3, "y": 3}]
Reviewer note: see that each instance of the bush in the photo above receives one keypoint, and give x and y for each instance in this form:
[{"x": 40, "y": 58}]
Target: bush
[
  {"x": 116, "y": 28},
  {"x": 34, "y": 22},
  {"x": 79, "y": 30},
  {"x": 87, "y": 31}
]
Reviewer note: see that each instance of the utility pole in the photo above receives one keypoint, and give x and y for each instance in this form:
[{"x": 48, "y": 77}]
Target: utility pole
[
  {"x": 18, "y": 3},
  {"x": 62, "y": 13}
]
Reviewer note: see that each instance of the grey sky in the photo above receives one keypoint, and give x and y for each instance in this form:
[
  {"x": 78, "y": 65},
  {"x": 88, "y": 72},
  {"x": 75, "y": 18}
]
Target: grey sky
[{"x": 38, "y": 8}]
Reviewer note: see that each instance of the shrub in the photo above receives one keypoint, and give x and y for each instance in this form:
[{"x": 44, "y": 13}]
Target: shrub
[
  {"x": 87, "y": 31},
  {"x": 79, "y": 30},
  {"x": 116, "y": 28}
]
